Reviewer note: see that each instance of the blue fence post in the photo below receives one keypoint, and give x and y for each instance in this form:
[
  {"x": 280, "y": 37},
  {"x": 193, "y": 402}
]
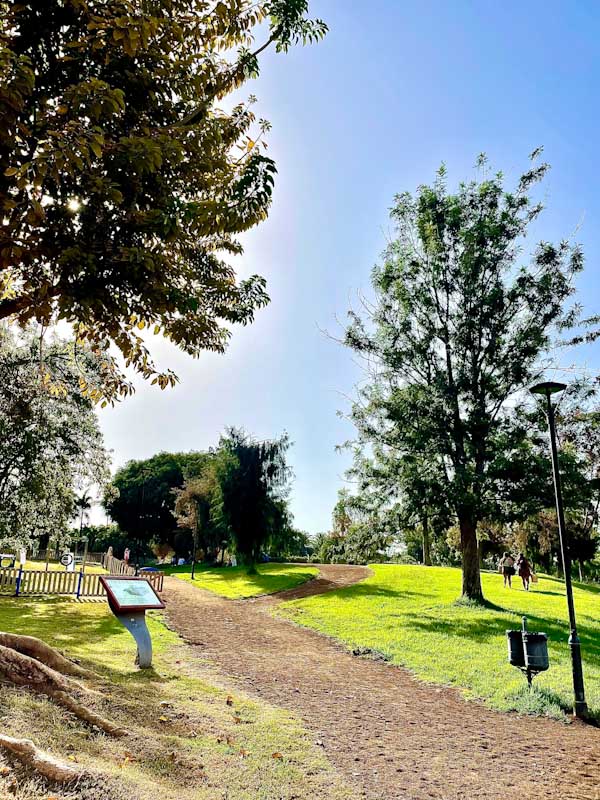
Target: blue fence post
[
  {"x": 19, "y": 579},
  {"x": 80, "y": 579}
]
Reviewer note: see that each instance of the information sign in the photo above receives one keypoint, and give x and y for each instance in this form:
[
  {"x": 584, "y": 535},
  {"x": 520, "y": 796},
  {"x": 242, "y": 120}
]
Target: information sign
[
  {"x": 129, "y": 593},
  {"x": 129, "y": 598}
]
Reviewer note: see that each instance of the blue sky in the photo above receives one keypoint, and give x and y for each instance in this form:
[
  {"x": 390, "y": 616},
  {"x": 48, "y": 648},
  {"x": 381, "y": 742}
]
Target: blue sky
[{"x": 395, "y": 89}]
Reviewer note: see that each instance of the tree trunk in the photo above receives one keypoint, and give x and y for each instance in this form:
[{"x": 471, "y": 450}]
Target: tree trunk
[
  {"x": 581, "y": 570},
  {"x": 471, "y": 577},
  {"x": 426, "y": 542}
]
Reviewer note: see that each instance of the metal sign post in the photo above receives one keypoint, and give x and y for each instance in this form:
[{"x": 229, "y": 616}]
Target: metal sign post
[{"x": 128, "y": 598}]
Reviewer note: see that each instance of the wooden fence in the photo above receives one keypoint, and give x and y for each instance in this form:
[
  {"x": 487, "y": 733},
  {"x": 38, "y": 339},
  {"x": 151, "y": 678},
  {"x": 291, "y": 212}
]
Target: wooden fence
[
  {"x": 114, "y": 566},
  {"x": 55, "y": 554},
  {"x": 62, "y": 583}
]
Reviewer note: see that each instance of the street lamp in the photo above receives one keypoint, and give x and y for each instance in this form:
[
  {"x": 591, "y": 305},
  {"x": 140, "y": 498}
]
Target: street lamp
[{"x": 546, "y": 390}]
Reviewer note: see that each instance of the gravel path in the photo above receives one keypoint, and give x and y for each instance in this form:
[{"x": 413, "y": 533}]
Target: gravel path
[{"x": 388, "y": 734}]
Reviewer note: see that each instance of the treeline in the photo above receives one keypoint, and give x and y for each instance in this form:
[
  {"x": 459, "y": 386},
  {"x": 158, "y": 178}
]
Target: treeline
[{"x": 233, "y": 498}]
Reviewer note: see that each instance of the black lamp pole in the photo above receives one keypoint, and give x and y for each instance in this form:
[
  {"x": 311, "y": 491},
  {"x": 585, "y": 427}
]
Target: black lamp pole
[
  {"x": 547, "y": 389},
  {"x": 195, "y": 544}
]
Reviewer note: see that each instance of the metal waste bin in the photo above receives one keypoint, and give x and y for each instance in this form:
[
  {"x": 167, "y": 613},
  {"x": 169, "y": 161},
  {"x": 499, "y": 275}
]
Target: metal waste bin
[
  {"x": 536, "y": 651},
  {"x": 516, "y": 651}
]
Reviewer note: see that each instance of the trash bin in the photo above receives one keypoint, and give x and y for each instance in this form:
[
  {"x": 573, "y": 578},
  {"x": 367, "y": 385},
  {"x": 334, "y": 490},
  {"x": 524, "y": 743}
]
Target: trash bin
[
  {"x": 516, "y": 651},
  {"x": 536, "y": 651}
]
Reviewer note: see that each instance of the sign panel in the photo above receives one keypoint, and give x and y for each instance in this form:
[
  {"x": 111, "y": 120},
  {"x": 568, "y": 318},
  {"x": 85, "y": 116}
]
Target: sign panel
[{"x": 126, "y": 593}]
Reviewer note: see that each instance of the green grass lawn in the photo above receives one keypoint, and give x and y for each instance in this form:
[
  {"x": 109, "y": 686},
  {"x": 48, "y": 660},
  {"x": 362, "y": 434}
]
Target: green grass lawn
[
  {"x": 410, "y": 614},
  {"x": 235, "y": 583},
  {"x": 190, "y": 740}
]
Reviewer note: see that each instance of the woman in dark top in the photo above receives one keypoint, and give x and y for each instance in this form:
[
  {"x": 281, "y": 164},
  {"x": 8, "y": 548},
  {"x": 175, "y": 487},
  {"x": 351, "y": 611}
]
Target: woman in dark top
[{"x": 524, "y": 570}]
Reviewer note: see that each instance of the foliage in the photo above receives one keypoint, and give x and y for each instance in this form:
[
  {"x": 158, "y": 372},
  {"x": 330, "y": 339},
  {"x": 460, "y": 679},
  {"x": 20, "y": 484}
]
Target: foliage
[
  {"x": 359, "y": 534},
  {"x": 143, "y": 503},
  {"x": 122, "y": 182},
  {"x": 253, "y": 481},
  {"x": 193, "y": 509},
  {"x": 50, "y": 442},
  {"x": 286, "y": 541},
  {"x": 456, "y": 330},
  {"x": 236, "y": 583},
  {"x": 410, "y": 615}
]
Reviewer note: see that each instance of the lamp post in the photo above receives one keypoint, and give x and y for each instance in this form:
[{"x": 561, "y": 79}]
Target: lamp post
[{"x": 546, "y": 390}]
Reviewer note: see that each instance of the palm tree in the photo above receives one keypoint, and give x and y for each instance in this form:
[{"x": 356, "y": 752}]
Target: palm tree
[{"x": 83, "y": 504}]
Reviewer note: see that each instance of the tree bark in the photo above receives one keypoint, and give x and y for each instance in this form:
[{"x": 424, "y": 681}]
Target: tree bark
[
  {"x": 35, "y": 648},
  {"x": 44, "y": 763},
  {"x": 471, "y": 576},
  {"x": 22, "y": 670},
  {"x": 426, "y": 542}
]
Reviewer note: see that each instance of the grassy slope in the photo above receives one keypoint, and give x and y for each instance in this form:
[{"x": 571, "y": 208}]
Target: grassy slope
[
  {"x": 410, "y": 614},
  {"x": 196, "y": 747},
  {"x": 234, "y": 582}
]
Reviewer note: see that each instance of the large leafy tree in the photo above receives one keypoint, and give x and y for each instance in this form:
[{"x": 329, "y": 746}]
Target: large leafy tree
[
  {"x": 50, "y": 442},
  {"x": 458, "y": 327},
  {"x": 194, "y": 510},
  {"x": 141, "y": 498},
  {"x": 123, "y": 184},
  {"x": 253, "y": 481}
]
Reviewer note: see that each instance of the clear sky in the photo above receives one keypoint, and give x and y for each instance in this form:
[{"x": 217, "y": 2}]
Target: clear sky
[{"x": 397, "y": 87}]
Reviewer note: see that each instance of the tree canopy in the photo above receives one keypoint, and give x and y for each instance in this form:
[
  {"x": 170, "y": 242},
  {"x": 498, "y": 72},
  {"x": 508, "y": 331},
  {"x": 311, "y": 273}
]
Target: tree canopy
[
  {"x": 123, "y": 184},
  {"x": 253, "y": 483},
  {"x": 460, "y": 324},
  {"x": 50, "y": 443},
  {"x": 142, "y": 500}
]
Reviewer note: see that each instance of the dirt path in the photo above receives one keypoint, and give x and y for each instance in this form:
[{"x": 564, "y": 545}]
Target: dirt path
[{"x": 391, "y": 736}]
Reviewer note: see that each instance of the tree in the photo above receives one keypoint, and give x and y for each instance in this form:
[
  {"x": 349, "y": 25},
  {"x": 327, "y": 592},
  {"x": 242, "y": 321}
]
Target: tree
[
  {"x": 253, "y": 479},
  {"x": 193, "y": 510},
  {"x": 144, "y": 504},
  {"x": 122, "y": 182},
  {"x": 458, "y": 327},
  {"x": 50, "y": 442}
]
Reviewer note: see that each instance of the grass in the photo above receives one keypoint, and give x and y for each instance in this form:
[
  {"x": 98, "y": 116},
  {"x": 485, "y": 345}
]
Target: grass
[
  {"x": 410, "y": 614},
  {"x": 56, "y": 567},
  {"x": 190, "y": 739},
  {"x": 235, "y": 583}
]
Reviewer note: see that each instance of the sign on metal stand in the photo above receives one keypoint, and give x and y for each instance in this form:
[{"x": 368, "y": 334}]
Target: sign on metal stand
[{"x": 129, "y": 598}]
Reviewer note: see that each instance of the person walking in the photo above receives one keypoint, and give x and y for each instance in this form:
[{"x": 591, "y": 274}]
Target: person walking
[
  {"x": 524, "y": 570},
  {"x": 507, "y": 568}
]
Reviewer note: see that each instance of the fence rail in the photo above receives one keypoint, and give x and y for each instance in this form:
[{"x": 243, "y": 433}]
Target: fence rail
[
  {"x": 115, "y": 566},
  {"x": 39, "y": 582},
  {"x": 54, "y": 555}
]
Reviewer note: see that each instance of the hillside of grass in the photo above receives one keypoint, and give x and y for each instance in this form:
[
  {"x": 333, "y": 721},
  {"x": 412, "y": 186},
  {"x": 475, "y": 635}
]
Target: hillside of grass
[
  {"x": 235, "y": 583},
  {"x": 189, "y": 739},
  {"x": 410, "y": 614}
]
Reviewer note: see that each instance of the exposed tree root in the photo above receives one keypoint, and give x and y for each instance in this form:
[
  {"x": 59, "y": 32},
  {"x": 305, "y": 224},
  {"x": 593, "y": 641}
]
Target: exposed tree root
[
  {"x": 22, "y": 670},
  {"x": 47, "y": 765},
  {"x": 87, "y": 715},
  {"x": 35, "y": 648}
]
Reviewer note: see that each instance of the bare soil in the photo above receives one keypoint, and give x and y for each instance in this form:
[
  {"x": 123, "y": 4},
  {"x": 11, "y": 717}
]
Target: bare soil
[{"x": 388, "y": 734}]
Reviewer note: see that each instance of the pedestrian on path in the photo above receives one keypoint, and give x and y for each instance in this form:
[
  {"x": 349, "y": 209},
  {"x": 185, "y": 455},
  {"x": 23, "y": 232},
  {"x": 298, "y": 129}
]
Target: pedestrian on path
[
  {"x": 524, "y": 570},
  {"x": 507, "y": 568}
]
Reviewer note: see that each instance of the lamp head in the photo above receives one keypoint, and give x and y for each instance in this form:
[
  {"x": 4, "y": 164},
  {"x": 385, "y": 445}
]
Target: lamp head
[{"x": 547, "y": 388}]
